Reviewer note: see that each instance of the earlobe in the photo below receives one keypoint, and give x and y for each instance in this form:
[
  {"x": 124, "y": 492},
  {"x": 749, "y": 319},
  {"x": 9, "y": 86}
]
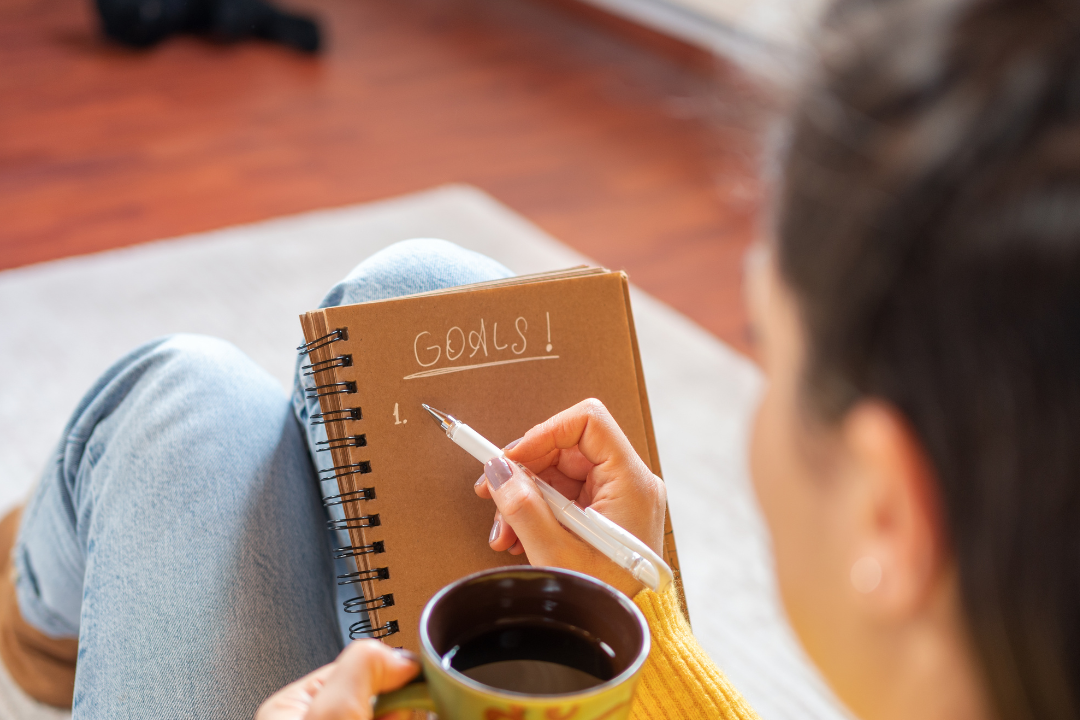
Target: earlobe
[
  {"x": 866, "y": 574},
  {"x": 895, "y": 494}
]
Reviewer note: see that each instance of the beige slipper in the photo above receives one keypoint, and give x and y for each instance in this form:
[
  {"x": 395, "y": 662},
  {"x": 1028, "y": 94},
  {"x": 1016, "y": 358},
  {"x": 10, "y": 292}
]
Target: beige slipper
[{"x": 43, "y": 667}]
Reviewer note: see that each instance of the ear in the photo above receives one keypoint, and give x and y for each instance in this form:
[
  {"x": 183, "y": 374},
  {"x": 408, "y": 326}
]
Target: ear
[{"x": 896, "y": 517}]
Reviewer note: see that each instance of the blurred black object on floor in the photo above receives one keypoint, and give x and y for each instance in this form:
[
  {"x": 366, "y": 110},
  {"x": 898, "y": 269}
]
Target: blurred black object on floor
[{"x": 143, "y": 23}]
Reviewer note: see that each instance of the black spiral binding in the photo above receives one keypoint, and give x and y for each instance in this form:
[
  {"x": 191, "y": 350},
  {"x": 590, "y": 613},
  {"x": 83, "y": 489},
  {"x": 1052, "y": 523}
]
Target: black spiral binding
[
  {"x": 342, "y": 388},
  {"x": 354, "y": 550},
  {"x": 349, "y": 441},
  {"x": 362, "y": 494},
  {"x": 361, "y": 468},
  {"x": 363, "y": 629},
  {"x": 339, "y": 361},
  {"x": 359, "y": 604},
  {"x": 346, "y": 414},
  {"x": 357, "y": 523},
  {"x": 364, "y": 575},
  {"x": 331, "y": 337}
]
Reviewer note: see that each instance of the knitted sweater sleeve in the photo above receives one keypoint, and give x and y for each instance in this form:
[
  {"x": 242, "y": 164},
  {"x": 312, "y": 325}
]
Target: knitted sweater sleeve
[{"x": 679, "y": 680}]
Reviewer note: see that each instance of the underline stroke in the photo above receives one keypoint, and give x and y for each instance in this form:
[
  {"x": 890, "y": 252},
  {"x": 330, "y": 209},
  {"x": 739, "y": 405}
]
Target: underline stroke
[{"x": 445, "y": 370}]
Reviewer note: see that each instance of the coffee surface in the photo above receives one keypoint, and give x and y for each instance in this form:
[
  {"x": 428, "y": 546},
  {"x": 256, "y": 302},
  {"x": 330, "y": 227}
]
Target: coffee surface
[
  {"x": 535, "y": 657},
  {"x": 532, "y": 677}
]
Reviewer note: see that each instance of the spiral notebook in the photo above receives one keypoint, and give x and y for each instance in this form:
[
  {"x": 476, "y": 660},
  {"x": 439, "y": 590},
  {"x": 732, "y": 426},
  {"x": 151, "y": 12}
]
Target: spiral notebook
[{"x": 500, "y": 356}]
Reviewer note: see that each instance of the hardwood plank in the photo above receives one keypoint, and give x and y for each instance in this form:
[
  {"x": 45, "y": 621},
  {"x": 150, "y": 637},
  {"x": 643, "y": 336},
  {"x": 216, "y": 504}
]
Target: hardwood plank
[{"x": 638, "y": 157}]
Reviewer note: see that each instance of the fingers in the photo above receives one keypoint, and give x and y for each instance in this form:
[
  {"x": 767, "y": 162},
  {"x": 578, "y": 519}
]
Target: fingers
[
  {"x": 502, "y": 536},
  {"x": 522, "y": 507},
  {"x": 481, "y": 488},
  {"x": 569, "y": 487},
  {"x": 293, "y": 701},
  {"x": 587, "y": 427},
  {"x": 539, "y": 534},
  {"x": 364, "y": 669},
  {"x": 594, "y": 450},
  {"x": 582, "y": 453},
  {"x": 572, "y": 463}
]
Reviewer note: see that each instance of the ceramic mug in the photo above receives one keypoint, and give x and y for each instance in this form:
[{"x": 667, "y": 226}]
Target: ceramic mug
[{"x": 527, "y": 643}]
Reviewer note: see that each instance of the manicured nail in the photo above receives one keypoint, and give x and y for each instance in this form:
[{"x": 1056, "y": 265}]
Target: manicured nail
[
  {"x": 497, "y": 471},
  {"x": 513, "y": 445},
  {"x": 480, "y": 482},
  {"x": 495, "y": 528},
  {"x": 407, "y": 655}
]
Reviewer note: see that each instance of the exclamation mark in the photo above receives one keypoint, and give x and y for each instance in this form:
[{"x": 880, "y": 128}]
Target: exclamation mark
[{"x": 548, "y": 315}]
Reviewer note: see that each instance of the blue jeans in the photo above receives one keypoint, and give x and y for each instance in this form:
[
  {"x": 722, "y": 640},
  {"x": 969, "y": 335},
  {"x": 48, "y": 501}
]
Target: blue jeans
[{"x": 178, "y": 530}]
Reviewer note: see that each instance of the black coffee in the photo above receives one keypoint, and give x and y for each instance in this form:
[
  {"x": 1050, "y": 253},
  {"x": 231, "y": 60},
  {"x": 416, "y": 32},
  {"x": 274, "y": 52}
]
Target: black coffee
[{"x": 536, "y": 657}]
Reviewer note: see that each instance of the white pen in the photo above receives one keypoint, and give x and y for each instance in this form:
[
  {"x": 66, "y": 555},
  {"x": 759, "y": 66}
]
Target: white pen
[{"x": 623, "y": 548}]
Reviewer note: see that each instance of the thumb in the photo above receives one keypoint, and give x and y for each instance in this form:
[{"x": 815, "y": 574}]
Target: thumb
[
  {"x": 364, "y": 669},
  {"x": 525, "y": 510}
]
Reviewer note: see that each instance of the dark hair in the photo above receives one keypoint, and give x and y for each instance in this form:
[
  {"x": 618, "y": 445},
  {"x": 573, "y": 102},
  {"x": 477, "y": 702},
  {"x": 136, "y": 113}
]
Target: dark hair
[{"x": 929, "y": 226}]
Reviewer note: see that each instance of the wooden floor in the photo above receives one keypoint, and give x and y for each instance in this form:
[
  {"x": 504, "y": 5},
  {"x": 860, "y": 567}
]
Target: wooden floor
[{"x": 636, "y": 154}]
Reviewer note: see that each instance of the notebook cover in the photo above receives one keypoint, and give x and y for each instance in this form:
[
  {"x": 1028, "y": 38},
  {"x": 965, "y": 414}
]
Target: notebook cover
[
  {"x": 670, "y": 551},
  {"x": 501, "y": 357}
]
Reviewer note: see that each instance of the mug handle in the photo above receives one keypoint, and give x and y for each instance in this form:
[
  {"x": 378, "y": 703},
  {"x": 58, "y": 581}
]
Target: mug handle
[{"x": 414, "y": 696}]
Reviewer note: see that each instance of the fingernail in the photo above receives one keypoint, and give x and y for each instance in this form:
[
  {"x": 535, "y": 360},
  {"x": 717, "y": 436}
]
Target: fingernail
[
  {"x": 497, "y": 471},
  {"x": 495, "y": 528},
  {"x": 407, "y": 654},
  {"x": 513, "y": 445},
  {"x": 480, "y": 482}
]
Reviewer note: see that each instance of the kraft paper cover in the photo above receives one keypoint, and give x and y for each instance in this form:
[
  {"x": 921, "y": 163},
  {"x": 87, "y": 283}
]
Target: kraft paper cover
[{"x": 501, "y": 357}]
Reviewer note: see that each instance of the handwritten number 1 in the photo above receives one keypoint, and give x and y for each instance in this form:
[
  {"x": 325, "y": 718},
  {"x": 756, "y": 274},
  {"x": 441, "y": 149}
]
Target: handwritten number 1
[{"x": 398, "y": 420}]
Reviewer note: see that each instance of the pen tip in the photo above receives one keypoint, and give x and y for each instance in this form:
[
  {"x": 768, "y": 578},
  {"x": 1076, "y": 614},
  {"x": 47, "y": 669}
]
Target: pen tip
[{"x": 442, "y": 418}]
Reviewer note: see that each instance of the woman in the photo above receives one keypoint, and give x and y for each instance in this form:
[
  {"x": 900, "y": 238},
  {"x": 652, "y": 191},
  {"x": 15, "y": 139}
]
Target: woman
[{"x": 918, "y": 320}]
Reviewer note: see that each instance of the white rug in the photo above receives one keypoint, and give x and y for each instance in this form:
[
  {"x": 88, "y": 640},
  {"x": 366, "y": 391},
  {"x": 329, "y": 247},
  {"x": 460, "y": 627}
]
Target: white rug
[{"x": 62, "y": 323}]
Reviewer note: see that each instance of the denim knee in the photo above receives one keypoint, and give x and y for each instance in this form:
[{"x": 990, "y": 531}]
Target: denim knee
[
  {"x": 192, "y": 389},
  {"x": 413, "y": 266},
  {"x": 148, "y": 393},
  {"x": 177, "y": 423},
  {"x": 159, "y": 422},
  {"x": 207, "y": 364},
  {"x": 166, "y": 397}
]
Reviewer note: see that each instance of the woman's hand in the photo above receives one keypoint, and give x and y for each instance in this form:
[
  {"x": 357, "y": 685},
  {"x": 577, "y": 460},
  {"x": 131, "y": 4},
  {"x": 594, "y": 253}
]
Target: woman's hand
[
  {"x": 343, "y": 689},
  {"x": 584, "y": 455}
]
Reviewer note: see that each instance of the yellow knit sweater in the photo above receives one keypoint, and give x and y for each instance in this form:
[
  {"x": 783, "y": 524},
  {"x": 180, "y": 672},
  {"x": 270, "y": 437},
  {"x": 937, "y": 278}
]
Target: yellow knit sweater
[{"x": 679, "y": 680}]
